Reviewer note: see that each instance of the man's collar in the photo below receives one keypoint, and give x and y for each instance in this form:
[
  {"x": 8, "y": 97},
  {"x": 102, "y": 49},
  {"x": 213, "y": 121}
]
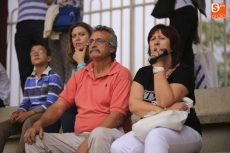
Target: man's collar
[
  {"x": 112, "y": 68},
  {"x": 46, "y": 72}
]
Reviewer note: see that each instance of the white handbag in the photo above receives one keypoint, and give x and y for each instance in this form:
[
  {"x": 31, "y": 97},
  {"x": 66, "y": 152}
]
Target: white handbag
[
  {"x": 171, "y": 119},
  {"x": 205, "y": 68}
]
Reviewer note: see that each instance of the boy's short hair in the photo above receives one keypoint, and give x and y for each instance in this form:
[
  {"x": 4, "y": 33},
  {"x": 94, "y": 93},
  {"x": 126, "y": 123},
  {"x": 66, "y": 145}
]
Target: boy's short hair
[{"x": 47, "y": 49}]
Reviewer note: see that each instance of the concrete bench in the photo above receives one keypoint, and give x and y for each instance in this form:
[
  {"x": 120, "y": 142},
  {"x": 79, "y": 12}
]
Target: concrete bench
[
  {"x": 213, "y": 110},
  {"x": 5, "y": 112}
]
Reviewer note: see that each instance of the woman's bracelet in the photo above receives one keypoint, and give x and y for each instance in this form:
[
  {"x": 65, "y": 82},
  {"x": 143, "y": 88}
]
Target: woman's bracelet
[{"x": 81, "y": 65}]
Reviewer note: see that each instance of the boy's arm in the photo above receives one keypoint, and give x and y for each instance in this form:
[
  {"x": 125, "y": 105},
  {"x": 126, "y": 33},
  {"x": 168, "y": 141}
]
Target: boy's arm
[
  {"x": 22, "y": 113},
  {"x": 25, "y": 105},
  {"x": 55, "y": 87}
]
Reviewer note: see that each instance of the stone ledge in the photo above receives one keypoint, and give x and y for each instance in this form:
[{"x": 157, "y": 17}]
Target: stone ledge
[
  {"x": 5, "y": 112},
  {"x": 213, "y": 100},
  {"x": 222, "y": 117}
]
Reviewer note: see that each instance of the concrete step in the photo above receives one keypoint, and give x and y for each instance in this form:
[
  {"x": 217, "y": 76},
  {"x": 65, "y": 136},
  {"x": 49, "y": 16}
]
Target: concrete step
[{"x": 11, "y": 145}]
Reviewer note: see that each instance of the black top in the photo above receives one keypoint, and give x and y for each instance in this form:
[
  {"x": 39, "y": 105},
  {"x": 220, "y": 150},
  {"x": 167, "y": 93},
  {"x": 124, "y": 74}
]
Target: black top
[{"x": 182, "y": 75}]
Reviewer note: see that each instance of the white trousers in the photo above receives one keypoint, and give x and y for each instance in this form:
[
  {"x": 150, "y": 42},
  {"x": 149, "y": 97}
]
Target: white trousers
[
  {"x": 100, "y": 140},
  {"x": 160, "y": 140}
]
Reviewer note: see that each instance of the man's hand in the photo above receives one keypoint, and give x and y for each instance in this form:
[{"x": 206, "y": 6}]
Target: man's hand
[
  {"x": 29, "y": 136},
  {"x": 83, "y": 148}
]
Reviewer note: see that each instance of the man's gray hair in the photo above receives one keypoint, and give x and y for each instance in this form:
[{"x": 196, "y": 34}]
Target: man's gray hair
[{"x": 113, "y": 37}]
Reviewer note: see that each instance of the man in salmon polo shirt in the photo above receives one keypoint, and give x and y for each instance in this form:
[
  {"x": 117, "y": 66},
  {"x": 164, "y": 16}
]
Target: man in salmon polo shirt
[{"x": 101, "y": 92}]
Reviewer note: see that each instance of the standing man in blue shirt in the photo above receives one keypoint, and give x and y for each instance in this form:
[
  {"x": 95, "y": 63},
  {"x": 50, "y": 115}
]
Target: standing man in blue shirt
[
  {"x": 30, "y": 26},
  {"x": 41, "y": 90}
]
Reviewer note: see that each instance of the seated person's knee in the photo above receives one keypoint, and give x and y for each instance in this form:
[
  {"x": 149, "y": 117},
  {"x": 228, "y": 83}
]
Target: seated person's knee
[{"x": 98, "y": 132}]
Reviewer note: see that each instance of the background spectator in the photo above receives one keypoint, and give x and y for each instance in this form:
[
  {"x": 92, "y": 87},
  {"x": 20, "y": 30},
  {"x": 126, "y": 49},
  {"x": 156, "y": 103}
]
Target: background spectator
[
  {"x": 185, "y": 20},
  {"x": 30, "y": 26},
  {"x": 59, "y": 61},
  {"x": 4, "y": 87},
  {"x": 78, "y": 55}
]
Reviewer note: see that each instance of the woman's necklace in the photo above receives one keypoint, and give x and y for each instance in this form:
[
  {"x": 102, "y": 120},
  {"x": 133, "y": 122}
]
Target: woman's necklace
[{"x": 170, "y": 72}]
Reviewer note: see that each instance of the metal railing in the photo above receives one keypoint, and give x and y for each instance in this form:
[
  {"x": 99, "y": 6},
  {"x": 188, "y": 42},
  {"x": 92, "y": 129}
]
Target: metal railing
[{"x": 131, "y": 21}]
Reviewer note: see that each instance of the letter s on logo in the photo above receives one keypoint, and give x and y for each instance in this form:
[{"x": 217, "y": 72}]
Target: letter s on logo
[{"x": 215, "y": 7}]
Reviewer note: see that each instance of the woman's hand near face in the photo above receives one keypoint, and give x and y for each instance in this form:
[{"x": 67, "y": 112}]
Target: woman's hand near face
[
  {"x": 79, "y": 56},
  {"x": 160, "y": 62},
  {"x": 161, "y": 58}
]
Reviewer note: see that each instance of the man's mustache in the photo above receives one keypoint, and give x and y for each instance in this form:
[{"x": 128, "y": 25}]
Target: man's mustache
[{"x": 94, "y": 49}]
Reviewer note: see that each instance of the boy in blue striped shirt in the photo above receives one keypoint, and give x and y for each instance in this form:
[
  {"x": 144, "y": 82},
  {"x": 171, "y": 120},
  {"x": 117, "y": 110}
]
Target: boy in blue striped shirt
[{"x": 41, "y": 90}]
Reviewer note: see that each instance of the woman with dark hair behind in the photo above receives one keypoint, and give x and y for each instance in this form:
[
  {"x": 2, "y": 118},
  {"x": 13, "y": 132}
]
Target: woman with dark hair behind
[
  {"x": 78, "y": 55},
  {"x": 58, "y": 47},
  {"x": 167, "y": 81}
]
